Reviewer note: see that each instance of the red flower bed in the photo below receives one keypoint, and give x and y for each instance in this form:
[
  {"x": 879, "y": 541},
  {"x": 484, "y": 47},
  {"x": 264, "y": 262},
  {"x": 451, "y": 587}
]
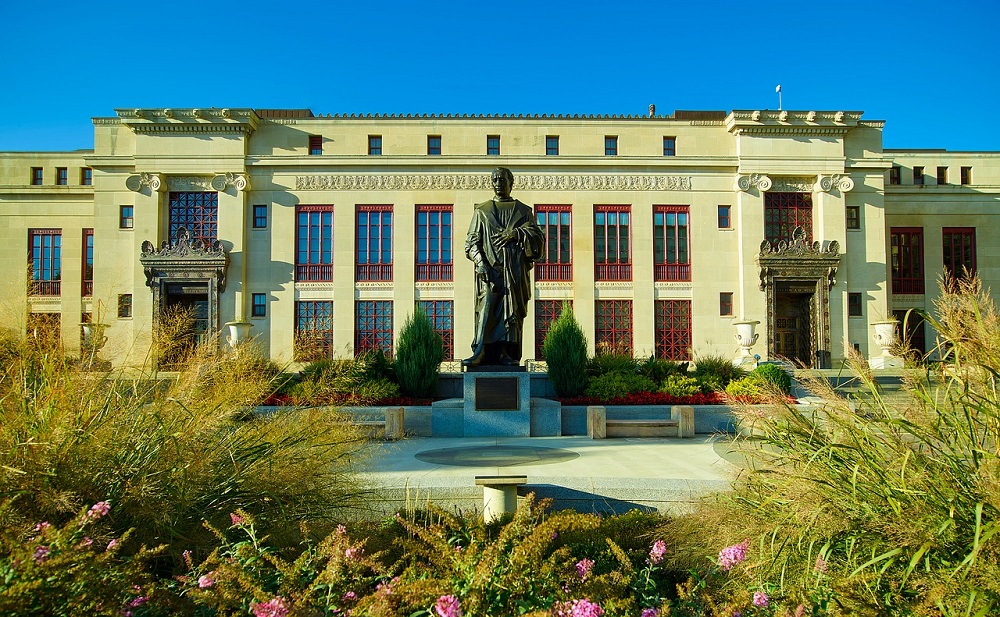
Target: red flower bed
[{"x": 647, "y": 398}]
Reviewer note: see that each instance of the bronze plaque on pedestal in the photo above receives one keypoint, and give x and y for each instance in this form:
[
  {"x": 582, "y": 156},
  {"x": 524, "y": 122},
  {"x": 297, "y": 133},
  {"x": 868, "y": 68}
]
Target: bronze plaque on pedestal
[{"x": 497, "y": 394}]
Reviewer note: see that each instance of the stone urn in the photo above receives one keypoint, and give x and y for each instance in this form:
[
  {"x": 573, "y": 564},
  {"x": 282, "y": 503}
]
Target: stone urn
[
  {"x": 886, "y": 337},
  {"x": 93, "y": 336},
  {"x": 239, "y": 332},
  {"x": 746, "y": 337}
]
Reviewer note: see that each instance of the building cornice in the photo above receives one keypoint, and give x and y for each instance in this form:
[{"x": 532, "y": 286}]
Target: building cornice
[
  {"x": 194, "y": 120},
  {"x": 812, "y": 123},
  {"x": 481, "y": 182}
]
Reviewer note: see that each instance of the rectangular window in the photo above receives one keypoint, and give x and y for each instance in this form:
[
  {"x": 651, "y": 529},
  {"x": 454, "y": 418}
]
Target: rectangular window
[
  {"x": 441, "y": 313},
  {"x": 86, "y": 176},
  {"x": 551, "y": 145},
  {"x": 374, "y": 243},
  {"x": 613, "y": 327},
  {"x": 196, "y": 212},
  {"x": 726, "y": 303},
  {"x": 612, "y": 248},
  {"x": 62, "y": 176},
  {"x": 45, "y": 257},
  {"x": 36, "y": 176},
  {"x": 546, "y": 312},
  {"x": 673, "y": 329},
  {"x": 124, "y": 306},
  {"x": 434, "y": 243},
  {"x": 853, "y": 217},
  {"x": 783, "y": 213},
  {"x": 942, "y": 175},
  {"x": 88, "y": 263},
  {"x": 671, "y": 249},
  {"x": 126, "y": 217},
  {"x": 492, "y": 145},
  {"x": 557, "y": 264},
  {"x": 260, "y": 216},
  {"x": 373, "y": 326},
  {"x": 918, "y": 175},
  {"x": 966, "y": 175},
  {"x": 669, "y": 146},
  {"x": 434, "y": 145},
  {"x": 374, "y": 145},
  {"x": 315, "y": 145},
  {"x": 907, "y": 260},
  {"x": 610, "y": 145},
  {"x": 313, "y": 329},
  {"x": 725, "y": 217},
  {"x": 959, "y": 246},
  {"x": 854, "y": 308},
  {"x": 895, "y": 173},
  {"x": 314, "y": 243},
  {"x": 258, "y": 305}
]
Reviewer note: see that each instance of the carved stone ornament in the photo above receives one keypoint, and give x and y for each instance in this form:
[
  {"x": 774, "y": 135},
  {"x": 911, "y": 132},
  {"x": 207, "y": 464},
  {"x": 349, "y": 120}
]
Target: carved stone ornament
[
  {"x": 185, "y": 256},
  {"x": 799, "y": 258},
  {"x": 745, "y": 182},
  {"x": 794, "y": 184},
  {"x": 828, "y": 183},
  {"x": 480, "y": 182},
  {"x": 155, "y": 182},
  {"x": 189, "y": 183},
  {"x": 222, "y": 181}
]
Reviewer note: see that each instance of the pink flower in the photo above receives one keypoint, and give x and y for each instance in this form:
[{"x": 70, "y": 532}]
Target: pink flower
[
  {"x": 137, "y": 602},
  {"x": 238, "y": 519},
  {"x": 448, "y": 606},
  {"x": 577, "y": 608},
  {"x": 112, "y": 545},
  {"x": 350, "y": 596},
  {"x": 760, "y": 599},
  {"x": 98, "y": 510},
  {"x": 41, "y": 554},
  {"x": 583, "y": 568},
  {"x": 657, "y": 552},
  {"x": 206, "y": 580},
  {"x": 187, "y": 558},
  {"x": 275, "y": 607},
  {"x": 733, "y": 555},
  {"x": 650, "y": 612},
  {"x": 820, "y": 564},
  {"x": 352, "y": 553},
  {"x": 341, "y": 530},
  {"x": 85, "y": 542},
  {"x": 41, "y": 527}
]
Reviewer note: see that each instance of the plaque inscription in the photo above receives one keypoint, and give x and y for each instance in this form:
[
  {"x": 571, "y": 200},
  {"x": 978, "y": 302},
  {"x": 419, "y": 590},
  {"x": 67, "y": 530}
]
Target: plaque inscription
[{"x": 497, "y": 394}]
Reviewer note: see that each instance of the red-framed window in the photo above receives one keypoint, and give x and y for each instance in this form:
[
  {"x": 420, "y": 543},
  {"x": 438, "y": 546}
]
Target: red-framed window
[
  {"x": 435, "y": 258},
  {"x": 673, "y": 329},
  {"x": 907, "y": 260},
  {"x": 959, "y": 247},
  {"x": 546, "y": 312},
  {"x": 45, "y": 255},
  {"x": 725, "y": 303},
  {"x": 373, "y": 326},
  {"x": 613, "y": 326},
  {"x": 783, "y": 212},
  {"x": 612, "y": 247},
  {"x": 374, "y": 243},
  {"x": 442, "y": 316},
  {"x": 313, "y": 329},
  {"x": 671, "y": 244},
  {"x": 556, "y": 223},
  {"x": 88, "y": 263},
  {"x": 198, "y": 212},
  {"x": 314, "y": 243}
]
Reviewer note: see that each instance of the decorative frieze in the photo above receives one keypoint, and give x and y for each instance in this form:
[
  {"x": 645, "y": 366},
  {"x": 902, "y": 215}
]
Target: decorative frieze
[
  {"x": 673, "y": 285},
  {"x": 481, "y": 182},
  {"x": 553, "y": 285},
  {"x": 189, "y": 183},
  {"x": 794, "y": 184}
]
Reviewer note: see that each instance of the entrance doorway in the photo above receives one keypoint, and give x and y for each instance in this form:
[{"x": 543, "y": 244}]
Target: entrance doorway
[
  {"x": 793, "y": 323},
  {"x": 183, "y": 323}
]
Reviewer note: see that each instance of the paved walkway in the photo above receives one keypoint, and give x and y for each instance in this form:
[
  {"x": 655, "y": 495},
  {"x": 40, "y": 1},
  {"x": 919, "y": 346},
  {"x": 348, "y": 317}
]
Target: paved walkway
[{"x": 609, "y": 475}]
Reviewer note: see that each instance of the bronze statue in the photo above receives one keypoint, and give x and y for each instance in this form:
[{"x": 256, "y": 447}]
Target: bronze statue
[{"x": 503, "y": 242}]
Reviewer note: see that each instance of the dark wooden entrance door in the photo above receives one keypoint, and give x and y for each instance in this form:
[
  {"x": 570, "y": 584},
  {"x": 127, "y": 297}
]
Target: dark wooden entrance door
[{"x": 792, "y": 325}]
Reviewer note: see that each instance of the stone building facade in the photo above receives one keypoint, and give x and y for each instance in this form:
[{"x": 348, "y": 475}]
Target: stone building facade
[{"x": 326, "y": 231}]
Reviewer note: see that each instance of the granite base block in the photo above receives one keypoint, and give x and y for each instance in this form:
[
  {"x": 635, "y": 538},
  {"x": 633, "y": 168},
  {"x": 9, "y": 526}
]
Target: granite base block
[{"x": 512, "y": 422}]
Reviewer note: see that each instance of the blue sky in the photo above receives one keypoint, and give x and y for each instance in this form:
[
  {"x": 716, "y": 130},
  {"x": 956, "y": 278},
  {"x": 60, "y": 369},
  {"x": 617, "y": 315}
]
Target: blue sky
[{"x": 930, "y": 69}]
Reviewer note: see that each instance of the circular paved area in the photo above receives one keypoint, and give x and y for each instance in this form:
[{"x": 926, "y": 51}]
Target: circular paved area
[{"x": 496, "y": 456}]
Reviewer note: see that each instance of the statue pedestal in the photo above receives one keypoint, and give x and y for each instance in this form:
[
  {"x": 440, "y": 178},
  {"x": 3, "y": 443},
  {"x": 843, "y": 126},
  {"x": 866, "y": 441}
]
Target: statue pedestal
[{"x": 497, "y": 402}]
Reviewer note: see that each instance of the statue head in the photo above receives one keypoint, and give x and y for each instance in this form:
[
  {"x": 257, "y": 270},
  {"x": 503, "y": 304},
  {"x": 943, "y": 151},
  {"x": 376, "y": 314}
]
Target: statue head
[{"x": 503, "y": 182}]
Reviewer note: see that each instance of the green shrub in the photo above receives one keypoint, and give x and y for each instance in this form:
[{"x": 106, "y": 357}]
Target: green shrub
[
  {"x": 710, "y": 383},
  {"x": 615, "y": 385},
  {"x": 418, "y": 356},
  {"x": 681, "y": 385},
  {"x": 604, "y": 363},
  {"x": 773, "y": 374},
  {"x": 744, "y": 388},
  {"x": 658, "y": 369},
  {"x": 718, "y": 366},
  {"x": 565, "y": 351}
]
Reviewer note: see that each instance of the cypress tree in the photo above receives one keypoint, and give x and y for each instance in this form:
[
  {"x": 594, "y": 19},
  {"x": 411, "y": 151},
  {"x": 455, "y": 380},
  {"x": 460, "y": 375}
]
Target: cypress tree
[
  {"x": 566, "y": 354},
  {"x": 418, "y": 356}
]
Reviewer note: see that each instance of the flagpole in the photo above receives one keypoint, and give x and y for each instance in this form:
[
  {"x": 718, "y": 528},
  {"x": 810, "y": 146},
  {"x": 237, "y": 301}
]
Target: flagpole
[{"x": 778, "y": 90}]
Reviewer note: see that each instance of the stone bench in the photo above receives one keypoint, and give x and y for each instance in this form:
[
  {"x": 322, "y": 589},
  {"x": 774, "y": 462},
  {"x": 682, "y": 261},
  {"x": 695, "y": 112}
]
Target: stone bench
[
  {"x": 499, "y": 495},
  {"x": 680, "y": 424},
  {"x": 392, "y": 425}
]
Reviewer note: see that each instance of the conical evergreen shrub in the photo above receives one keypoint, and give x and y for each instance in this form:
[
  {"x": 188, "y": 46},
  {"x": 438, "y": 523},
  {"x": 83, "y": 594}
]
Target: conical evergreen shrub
[
  {"x": 566, "y": 354},
  {"x": 418, "y": 356}
]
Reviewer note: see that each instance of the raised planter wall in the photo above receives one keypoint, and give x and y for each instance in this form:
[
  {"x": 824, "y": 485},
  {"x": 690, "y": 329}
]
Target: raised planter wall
[{"x": 708, "y": 419}]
